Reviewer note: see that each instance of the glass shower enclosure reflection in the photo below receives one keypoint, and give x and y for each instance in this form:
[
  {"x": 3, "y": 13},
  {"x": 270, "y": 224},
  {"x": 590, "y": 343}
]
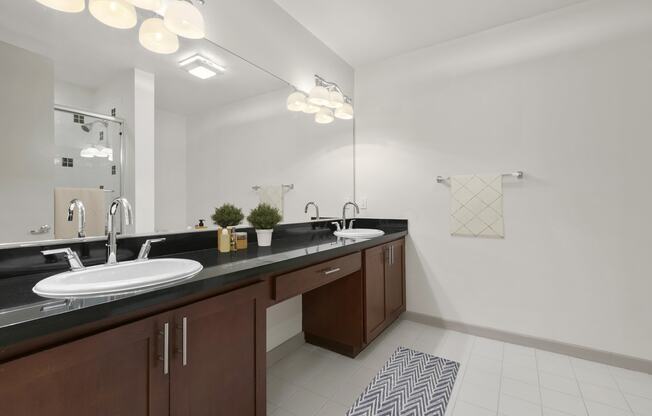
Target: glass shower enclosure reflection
[{"x": 88, "y": 155}]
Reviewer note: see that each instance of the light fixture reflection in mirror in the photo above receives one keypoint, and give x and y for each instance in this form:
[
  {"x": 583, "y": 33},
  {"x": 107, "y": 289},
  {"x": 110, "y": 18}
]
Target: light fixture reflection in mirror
[
  {"x": 152, "y": 5},
  {"x": 114, "y": 13},
  {"x": 319, "y": 96},
  {"x": 336, "y": 99},
  {"x": 154, "y": 36},
  {"x": 324, "y": 116},
  {"x": 311, "y": 108},
  {"x": 68, "y": 6},
  {"x": 297, "y": 101},
  {"x": 345, "y": 112},
  {"x": 326, "y": 100},
  {"x": 184, "y": 19}
]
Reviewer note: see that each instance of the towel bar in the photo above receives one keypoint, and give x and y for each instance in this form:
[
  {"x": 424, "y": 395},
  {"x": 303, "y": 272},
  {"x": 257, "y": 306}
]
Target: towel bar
[{"x": 517, "y": 174}]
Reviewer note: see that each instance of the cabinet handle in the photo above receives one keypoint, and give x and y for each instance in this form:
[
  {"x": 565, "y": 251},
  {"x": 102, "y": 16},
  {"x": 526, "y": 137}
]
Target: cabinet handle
[
  {"x": 392, "y": 254},
  {"x": 165, "y": 333},
  {"x": 331, "y": 271},
  {"x": 184, "y": 341}
]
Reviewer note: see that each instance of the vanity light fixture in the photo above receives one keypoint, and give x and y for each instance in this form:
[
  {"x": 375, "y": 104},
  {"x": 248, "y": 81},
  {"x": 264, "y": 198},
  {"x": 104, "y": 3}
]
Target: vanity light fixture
[
  {"x": 158, "y": 33},
  {"x": 152, "y": 5},
  {"x": 184, "y": 19},
  {"x": 297, "y": 101},
  {"x": 326, "y": 101},
  {"x": 115, "y": 13},
  {"x": 319, "y": 95},
  {"x": 345, "y": 112},
  {"x": 201, "y": 67},
  {"x": 154, "y": 36},
  {"x": 324, "y": 116},
  {"x": 68, "y": 6},
  {"x": 336, "y": 99},
  {"x": 311, "y": 108}
]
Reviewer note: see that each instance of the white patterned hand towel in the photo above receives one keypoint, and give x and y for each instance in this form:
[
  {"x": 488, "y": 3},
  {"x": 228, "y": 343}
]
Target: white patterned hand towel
[
  {"x": 477, "y": 205},
  {"x": 272, "y": 195}
]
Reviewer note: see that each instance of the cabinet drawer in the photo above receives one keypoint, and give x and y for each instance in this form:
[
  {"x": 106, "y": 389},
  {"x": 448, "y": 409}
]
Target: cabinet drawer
[{"x": 304, "y": 280}]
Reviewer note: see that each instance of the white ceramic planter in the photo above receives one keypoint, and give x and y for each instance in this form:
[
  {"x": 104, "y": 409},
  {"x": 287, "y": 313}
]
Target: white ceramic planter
[{"x": 264, "y": 237}]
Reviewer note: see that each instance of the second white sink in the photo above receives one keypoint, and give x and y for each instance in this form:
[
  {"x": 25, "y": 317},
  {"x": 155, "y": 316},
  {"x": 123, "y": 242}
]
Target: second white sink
[
  {"x": 116, "y": 279},
  {"x": 359, "y": 233}
]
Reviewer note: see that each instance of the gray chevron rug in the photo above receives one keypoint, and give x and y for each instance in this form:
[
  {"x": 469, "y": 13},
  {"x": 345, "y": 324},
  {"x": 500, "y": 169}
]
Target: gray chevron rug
[{"x": 411, "y": 383}]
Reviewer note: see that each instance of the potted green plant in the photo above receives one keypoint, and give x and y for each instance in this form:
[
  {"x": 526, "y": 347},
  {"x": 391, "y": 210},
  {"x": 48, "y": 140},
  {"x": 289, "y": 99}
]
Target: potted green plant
[
  {"x": 264, "y": 218},
  {"x": 226, "y": 217}
]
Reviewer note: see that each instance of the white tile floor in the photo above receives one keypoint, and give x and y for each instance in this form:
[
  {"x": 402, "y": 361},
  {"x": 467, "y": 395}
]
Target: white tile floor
[{"x": 495, "y": 378}]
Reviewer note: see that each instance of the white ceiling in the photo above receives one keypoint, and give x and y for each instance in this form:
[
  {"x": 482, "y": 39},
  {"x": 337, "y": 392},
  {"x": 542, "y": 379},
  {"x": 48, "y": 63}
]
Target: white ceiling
[
  {"x": 364, "y": 31},
  {"x": 89, "y": 54}
]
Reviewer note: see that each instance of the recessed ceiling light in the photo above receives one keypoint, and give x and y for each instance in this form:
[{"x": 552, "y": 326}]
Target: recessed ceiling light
[{"x": 201, "y": 67}]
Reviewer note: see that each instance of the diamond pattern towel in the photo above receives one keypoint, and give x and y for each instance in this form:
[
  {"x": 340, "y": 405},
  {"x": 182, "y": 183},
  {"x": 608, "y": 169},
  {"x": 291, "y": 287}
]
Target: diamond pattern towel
[{"x": 477, "y": 205}]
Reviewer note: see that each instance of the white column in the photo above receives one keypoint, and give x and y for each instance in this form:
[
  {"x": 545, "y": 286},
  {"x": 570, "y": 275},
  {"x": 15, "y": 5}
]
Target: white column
[{"x": 144, "y": 156}]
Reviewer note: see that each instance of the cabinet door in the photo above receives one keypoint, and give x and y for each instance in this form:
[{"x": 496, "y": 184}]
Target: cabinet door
[
  {"x": 218, "y": 365},
  {"x": 117, "y": 372},
  {"x": 394, "y": 279},
  {"x": 374, "y": 274}
]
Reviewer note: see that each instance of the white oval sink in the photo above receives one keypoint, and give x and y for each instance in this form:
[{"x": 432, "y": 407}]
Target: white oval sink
[
  {"x": 116, "y": 279},
  {"x": 359, "y": 233}
]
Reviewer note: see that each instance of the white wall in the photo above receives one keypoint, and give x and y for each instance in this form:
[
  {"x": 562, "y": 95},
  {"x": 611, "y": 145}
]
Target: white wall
[
  {"x": 264, "y": 33},
  {"x": 565, "y": 97},
  {"x": 144, "y": 151},
  {"x": 26, "y": 138},
  {"x": 259, "y": 142},
  {"x": 170, "y": 168}
]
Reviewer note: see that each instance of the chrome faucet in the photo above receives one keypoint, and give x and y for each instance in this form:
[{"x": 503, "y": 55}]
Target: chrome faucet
[
  {"x": 146, "y": 247},
  {"x": 305, "y": 210},
  {"x": 71, "y": 256},
  {"x": 357, "y": 211},
  {"x": 112, "y": 244},
  {"x": 81, "y": 228}
]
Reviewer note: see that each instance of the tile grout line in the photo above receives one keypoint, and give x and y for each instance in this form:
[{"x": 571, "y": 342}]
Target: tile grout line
[
  {"x": 577, "y": 381},
  {"x": 536, "y": 363},
  {"x": 463, "y": 372},
  {"x": 500, "y": 383},
  {"x": 622, "y": 393}
]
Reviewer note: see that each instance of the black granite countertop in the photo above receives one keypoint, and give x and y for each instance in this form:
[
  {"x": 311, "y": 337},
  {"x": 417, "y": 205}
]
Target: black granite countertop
[{"x": 24, "y": 315}]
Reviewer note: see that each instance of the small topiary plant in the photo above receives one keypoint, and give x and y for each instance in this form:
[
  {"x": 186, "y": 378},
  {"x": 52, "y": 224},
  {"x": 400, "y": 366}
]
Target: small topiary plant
[
  {"x": 228, "y": 215},
  {"x": 264, "y": 217}
]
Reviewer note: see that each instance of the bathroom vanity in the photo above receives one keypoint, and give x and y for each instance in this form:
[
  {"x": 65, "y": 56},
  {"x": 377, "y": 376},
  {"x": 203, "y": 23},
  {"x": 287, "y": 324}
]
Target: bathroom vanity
[{"x": 199, "y": 347}]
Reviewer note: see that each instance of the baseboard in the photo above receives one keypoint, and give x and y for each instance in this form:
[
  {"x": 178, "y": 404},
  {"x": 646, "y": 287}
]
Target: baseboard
[
  {"x": 605, "y": 357},
  {"x": 276, "y": 354}
]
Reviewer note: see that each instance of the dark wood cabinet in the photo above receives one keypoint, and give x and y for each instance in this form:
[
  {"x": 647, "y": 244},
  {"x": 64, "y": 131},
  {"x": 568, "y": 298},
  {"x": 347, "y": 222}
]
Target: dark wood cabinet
[
  {"x": 218, "y": 365},
  {"x": 333, "y": 315},
  {"x": 350, "y": 311},
  {"x": 206, "y": 357},
  {"x": 384, "y": 277},
  {"x": 117, "y": 372},
  {"x": 214, "y": 364}
]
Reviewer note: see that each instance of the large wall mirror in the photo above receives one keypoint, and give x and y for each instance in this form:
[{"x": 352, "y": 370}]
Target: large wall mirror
[{"x": 86, "y": 113}]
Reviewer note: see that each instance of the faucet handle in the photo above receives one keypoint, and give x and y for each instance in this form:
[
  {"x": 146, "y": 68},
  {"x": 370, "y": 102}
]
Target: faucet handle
[
  {"x": 71, "y": 256},
  {"x": 337, "y": 224},
  {"x": 351, "y": 221},
  {"x": 147, "y": 246}
]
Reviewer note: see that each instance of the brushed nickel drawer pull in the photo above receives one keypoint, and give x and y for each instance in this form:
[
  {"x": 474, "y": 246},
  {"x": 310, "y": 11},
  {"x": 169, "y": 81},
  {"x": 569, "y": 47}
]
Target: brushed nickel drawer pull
[
  {"x": 332, "y": 270},
  {"x": 165, "y": 334},
  {"x": 184, "y": 343}
]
